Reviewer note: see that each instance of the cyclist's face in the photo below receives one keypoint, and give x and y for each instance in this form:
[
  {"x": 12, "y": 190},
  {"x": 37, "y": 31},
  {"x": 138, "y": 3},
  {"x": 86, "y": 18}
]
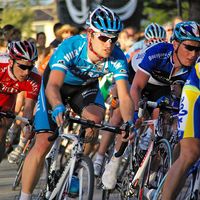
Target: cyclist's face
[
  {"x": 103, "y": 44},
  {"x": 21, "y": 69},
  {"x": 188, "y": 51}
]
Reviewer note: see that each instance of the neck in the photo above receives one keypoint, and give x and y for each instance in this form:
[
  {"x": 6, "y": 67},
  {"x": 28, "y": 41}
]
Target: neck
[{"x": 93, "y": 57}]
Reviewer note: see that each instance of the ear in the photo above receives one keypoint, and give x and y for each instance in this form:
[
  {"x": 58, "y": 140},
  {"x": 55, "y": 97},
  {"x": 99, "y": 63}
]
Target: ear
[
  {"x": 175, "y": 44},
  {"x": 89, "y": 32},
  {"x": 11, "y": 62}
]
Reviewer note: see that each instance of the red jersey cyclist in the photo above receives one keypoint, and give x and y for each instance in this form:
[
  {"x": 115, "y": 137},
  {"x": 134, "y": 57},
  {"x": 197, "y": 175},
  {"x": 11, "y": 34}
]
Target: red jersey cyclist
[{"x": 15, "y": 76}]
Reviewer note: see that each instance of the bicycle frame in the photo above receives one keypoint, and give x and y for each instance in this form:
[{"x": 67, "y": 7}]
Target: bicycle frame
[
  {"x": 53, "y": 155},
  {"x": 140, "y": 172}
]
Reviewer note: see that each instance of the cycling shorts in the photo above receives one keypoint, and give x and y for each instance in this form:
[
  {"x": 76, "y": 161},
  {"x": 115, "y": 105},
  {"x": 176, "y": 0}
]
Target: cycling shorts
[
  {"x": 189, "y": 120},
  {"x": 78, "y": 97}
]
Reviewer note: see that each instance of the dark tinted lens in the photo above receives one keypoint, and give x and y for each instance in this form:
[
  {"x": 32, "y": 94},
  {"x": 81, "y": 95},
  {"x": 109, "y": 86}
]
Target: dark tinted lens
[
  {"x": 105, "y": 39},
  {"x": 192, "y": 48},
  {"x": 25, "y": 67}
]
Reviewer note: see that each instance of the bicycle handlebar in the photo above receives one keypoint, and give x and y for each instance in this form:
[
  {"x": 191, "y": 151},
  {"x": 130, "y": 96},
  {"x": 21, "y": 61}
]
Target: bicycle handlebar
[
  {"x": 17, "y": 117},
  {"x": 152, "y": 104},
  {"x": 91, "y": 124}
]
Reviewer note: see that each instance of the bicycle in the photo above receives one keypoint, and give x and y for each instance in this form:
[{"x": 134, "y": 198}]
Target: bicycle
[
  {"x": 139, "y": 171},
  {"x": 23, "y": 154},
  {"x": 192, "y": 183},
  {"x": 20, "y": 164},
  {"x": 59, "y": 180}
]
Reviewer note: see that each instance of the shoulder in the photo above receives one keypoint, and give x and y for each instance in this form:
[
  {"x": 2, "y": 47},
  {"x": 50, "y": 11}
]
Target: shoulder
[
  {"x": 159, "y": 51},
  {"x": 35, "y": 76},
  {"x": 74, "y": 41},
  {"x": 118, "y": 53},
  {"x": 4, "y": 59}
]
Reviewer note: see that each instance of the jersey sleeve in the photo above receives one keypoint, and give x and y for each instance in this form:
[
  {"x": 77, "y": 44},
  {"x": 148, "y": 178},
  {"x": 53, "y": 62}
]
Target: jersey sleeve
[
  {"x": 64, "y": 55},
  {"x": 32, "y": 86},
  {"x": 154, "y": 56},
  {"x": 118, "y": 65}
]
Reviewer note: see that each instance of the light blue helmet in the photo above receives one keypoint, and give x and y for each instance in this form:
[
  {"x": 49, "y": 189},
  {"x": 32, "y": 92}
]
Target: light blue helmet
[
  {"x": 153, "y": 31},
  {"x": 102, "y": 19},
  {"x": 188, "y": 30}
]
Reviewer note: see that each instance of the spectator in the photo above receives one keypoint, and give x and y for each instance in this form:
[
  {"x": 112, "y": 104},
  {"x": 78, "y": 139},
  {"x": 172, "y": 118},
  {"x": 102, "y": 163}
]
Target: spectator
[
  {"x": 67, "y": 31},
  {"x": 58, "y": 39},
  {"x": 169, "y": 30}
]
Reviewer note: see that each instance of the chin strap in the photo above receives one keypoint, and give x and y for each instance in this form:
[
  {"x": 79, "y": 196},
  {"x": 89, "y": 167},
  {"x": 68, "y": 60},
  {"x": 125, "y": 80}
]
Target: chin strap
[{"x": 92, "y": 49}]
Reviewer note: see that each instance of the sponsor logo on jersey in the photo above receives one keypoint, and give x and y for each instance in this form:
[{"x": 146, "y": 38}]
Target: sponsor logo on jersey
[{"x": 159, "y": 56}]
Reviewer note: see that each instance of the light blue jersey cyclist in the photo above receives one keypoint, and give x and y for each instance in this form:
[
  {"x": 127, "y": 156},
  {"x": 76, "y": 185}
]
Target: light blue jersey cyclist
[{"x": 80, "y": 87}]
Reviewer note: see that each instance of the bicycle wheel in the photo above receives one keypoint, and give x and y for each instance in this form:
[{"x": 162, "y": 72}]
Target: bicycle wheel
[
  {"x": 120, "y": 190},
  {"x": 85, "y": 172},
  {"x": 156, "y": 169},
  {"x": 19, "y": 173}
]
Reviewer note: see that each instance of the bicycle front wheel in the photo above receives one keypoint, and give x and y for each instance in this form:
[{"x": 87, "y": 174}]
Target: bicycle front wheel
[
  {"x": 156, "y": 172},
  {"x": 85, "y": 173},
  {"x": 19, "y": 174}
]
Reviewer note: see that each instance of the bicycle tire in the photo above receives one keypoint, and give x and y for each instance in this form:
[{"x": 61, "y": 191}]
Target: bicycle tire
[
  {"x": 186, "y": 192},
  {"x": 163, "y": 154},
  {"x": 82, "y": 163},
  {"x": 18, "y": 175}
]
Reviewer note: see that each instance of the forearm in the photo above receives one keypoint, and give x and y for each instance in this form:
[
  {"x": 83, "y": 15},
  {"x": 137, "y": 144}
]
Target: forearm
[
  {"x": 135, "y": 95},
  {"x": 53, "y": 95},
  {"x": 28, "y": 108},
  {"x": 127, "y": 109}
]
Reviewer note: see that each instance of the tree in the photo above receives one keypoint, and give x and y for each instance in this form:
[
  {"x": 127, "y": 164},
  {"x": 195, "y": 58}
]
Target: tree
[
  {"x": 162, "y": 11},
  {"x": 19, "y": 14}
]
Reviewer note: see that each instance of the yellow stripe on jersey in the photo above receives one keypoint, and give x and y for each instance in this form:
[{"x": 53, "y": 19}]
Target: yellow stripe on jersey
[
  {"x": 197, "y": 68},
  {"x": 192, "y": 94}
]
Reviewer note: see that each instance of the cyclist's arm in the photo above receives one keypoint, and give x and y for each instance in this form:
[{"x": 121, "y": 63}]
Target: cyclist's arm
[
  {"x": 55, "y": 82},
  {"x": 126, "y": 103},
  {"x": 139, "y": 82},
  {"x": 29, "y": 105}
]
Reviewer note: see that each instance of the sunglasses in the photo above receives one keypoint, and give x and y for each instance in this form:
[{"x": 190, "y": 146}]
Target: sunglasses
[
  {"x": 104, "y": 38},
  {"x": 192, "y": 48},
  {"x": 24, "y": 67}
]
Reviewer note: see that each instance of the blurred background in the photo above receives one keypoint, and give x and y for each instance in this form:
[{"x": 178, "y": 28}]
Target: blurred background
[{"x": 34, "y": 16}]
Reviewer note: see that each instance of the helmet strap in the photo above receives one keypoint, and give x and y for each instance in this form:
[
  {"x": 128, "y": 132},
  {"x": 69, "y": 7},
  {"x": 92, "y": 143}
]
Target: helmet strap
[{"x": 91, "y": 48}]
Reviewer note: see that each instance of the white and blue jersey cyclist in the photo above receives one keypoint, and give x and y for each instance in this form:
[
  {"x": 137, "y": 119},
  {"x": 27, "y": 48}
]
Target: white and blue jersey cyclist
[
  {"x": 80, "y": 86},
  {"x": 156, "y": 62}
]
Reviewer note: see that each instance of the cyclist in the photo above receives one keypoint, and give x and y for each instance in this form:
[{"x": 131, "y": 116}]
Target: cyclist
[
  {"x": 16, "y": 75},
  {"x": 73, "y": 71},
  {"x": 166, "y": 63},
  {"x": 154, "y": 33},
  {"x": 188, "y": 127}
]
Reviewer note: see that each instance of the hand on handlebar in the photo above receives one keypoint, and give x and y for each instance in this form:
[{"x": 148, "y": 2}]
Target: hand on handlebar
[
  {"x": 27, "y": 131},
  {"x": 163, "y": 101},
  {"x": 57, "y": 114}
]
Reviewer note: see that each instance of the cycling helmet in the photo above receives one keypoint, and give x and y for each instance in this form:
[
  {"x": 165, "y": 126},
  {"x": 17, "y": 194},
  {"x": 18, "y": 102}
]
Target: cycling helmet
[
  {"x": 154, "y": 30},
  {"x": 102, "y": 19},
  {"x": 23, "y": 50},
  {"x": 188, "y": 30}
]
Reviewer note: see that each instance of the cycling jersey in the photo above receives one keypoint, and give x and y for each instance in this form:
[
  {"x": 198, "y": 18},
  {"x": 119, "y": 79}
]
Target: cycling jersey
[
  {"x": 189, "y": 120},
  {"x": 10, "y": 86},
  {"x": 81, "y": 80},
  {"x": 71, "y": 58},
  {"x": 137, "y": 46},
  {"x": 157, "y": 62},
  {"x": 137, "y": 59}
]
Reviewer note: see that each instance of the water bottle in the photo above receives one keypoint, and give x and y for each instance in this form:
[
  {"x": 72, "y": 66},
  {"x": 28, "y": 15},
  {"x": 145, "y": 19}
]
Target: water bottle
[
  {"x": 145, "y": 139},
  {"x": 149, "y": 193}
]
